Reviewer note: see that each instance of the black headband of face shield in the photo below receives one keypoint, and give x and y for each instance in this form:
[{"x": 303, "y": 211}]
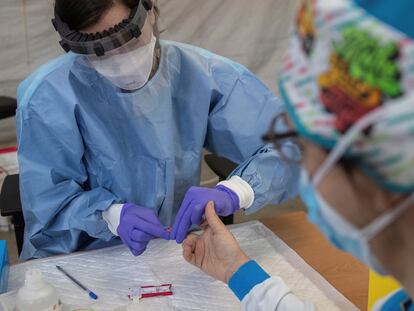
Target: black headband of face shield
[{"x": 102, "y": 42}]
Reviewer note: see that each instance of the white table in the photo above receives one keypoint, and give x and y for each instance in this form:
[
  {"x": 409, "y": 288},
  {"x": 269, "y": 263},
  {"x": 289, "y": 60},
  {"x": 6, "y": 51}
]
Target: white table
[{"x": 111, "y": 272}]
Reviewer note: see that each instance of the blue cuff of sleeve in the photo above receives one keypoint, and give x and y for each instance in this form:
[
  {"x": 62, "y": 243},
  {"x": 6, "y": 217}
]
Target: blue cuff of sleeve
[{"x": 247, "y": 277}]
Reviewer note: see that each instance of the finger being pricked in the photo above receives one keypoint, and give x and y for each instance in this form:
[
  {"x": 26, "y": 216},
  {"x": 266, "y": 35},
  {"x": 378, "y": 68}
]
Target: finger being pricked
[
  {"x": 189, "y": 246},
  {"x": 204, "y": 225},
  {"x": 191, "y": 240}
]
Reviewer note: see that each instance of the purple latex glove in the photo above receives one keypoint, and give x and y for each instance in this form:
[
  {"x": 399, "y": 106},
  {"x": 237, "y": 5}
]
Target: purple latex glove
[
  {"x": 139, "y": 225},
  {"x": 194, "y": 204}
]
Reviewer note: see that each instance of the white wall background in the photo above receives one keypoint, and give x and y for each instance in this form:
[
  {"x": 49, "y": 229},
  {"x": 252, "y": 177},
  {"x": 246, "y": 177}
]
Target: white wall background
[
  {"x": 26, "y": 39},
  {"x": 253, "y": 33}
]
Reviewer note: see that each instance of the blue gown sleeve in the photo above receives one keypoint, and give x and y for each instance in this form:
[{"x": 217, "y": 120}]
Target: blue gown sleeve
[
  {"x": 241, "y": 115},
  {"x": 61, "y": 212}
]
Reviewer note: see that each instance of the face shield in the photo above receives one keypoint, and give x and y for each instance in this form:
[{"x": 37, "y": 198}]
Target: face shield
[
  {"x": 123, "y": 54},
  {"x": 129, "y": 66}
]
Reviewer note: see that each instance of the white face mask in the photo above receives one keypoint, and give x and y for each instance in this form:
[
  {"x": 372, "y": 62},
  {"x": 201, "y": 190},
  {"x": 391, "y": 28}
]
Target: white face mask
[
  {"x": 129, "y": 71},
  {"x": 340, "y": 231}
]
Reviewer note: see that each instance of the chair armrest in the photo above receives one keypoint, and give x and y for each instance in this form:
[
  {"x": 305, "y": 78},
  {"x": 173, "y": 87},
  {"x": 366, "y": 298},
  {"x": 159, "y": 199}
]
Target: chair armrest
[
  {"x": 10, "y": 204},
  {"x": 222, "y": 167},
  {"x": 8, "y": 107}
]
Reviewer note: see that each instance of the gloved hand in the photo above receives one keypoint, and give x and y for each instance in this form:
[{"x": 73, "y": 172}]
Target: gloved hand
[
  {"x": 194, "y": 204},
  {"x": 138, "y": 226}
]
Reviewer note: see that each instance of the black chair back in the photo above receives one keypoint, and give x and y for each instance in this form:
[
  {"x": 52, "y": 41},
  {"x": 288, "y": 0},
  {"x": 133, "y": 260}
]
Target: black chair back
[
  {"x": 10, "y": 205},
  {"x": 8, "y": 107}
]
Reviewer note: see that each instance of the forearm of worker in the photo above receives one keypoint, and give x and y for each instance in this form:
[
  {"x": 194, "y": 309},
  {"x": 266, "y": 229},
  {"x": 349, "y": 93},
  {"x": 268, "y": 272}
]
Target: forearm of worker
[
  {"x": 263, "y": 179},
  {"x": 80, "y": 212},
  {"x": 272, "y": 179},
  {"x": 259, "y": 292},
  {"x": 59, "y": 222},
  {"x": 59, "y": 206},
  {"x": 237, "y": 122}
]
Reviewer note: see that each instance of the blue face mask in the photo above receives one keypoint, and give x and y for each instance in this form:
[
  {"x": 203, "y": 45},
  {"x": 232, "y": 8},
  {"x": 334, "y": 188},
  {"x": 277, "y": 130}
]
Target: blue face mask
[
  {"x": 342, "y": 234},
  {"x": 339, "y": 230}
]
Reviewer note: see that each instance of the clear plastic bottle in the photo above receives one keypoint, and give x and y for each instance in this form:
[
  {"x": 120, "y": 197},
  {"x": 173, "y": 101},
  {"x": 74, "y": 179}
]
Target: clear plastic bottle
[{"x": 37, "y": 295}]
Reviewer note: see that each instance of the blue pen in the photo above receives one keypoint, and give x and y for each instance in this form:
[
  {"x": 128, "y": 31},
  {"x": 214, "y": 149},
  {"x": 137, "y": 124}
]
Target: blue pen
[{"x": 90, "y": 293}]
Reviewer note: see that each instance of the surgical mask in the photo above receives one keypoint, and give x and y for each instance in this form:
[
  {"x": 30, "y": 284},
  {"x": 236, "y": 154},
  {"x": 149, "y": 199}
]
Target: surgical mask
[
  {"x": 129, "y": 71},
  {"x": 340, "y": 231}
]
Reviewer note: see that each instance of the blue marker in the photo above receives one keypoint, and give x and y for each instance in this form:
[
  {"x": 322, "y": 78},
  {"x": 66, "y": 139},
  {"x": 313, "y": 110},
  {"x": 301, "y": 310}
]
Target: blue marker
[{"x": 90, "y": 293}]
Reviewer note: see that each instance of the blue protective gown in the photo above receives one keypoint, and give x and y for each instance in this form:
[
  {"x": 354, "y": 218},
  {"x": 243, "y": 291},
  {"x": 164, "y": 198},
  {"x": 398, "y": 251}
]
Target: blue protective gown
[{"x": 85, "y": 145}]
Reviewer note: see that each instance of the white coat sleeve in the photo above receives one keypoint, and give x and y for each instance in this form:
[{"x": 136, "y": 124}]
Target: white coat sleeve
[
  {"x": 273, "y": 294},
  {"x": 112, "y": 216},
  {"x": 260, "y": 292}
]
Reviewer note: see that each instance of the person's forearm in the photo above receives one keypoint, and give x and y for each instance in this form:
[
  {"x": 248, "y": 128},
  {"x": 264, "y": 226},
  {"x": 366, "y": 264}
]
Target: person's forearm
[
  {"x": 53, "y": 229},
  {"x": 259, "y": 292},
  {"x": 272, "y": 179},
  {"x": 273, "y": 294},
  {"x": 246, "y": 278}
]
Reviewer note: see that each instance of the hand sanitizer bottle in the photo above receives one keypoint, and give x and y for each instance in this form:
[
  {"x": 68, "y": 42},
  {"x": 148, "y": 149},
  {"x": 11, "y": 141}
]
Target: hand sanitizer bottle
[{"x": 37, "y": 295}]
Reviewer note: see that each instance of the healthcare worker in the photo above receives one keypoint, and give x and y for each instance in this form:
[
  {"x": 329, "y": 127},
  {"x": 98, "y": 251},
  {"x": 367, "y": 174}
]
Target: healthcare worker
[
  {"x": 111, "y": 134},
  {"x": 348, "y": 82}
]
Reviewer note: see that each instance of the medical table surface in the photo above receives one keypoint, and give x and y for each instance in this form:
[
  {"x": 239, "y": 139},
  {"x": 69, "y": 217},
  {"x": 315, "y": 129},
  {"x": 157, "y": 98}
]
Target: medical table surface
[{"x": 111, "y": 272}]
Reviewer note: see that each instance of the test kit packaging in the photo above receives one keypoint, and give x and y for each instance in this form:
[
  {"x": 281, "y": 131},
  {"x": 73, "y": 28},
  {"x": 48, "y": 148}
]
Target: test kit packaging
[{"x": 4, "y": 267}]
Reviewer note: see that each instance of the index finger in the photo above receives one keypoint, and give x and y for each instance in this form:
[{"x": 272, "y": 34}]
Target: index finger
[{"x": 152, "y": 229}]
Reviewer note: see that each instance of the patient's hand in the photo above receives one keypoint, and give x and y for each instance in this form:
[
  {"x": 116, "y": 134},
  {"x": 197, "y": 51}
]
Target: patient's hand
[{"x": 215, "y": 251}]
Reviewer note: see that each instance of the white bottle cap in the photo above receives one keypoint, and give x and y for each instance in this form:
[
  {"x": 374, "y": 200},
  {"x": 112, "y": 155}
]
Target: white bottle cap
[{"x": 34, "y": 279}]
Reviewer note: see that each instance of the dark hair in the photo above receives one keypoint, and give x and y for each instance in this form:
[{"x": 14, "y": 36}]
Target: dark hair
[{"x": 82, "y": 14}]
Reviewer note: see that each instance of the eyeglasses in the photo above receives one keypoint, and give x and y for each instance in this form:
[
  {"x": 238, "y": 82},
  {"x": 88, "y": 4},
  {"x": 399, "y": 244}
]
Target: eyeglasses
[{"x": 286, "y": 143}]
